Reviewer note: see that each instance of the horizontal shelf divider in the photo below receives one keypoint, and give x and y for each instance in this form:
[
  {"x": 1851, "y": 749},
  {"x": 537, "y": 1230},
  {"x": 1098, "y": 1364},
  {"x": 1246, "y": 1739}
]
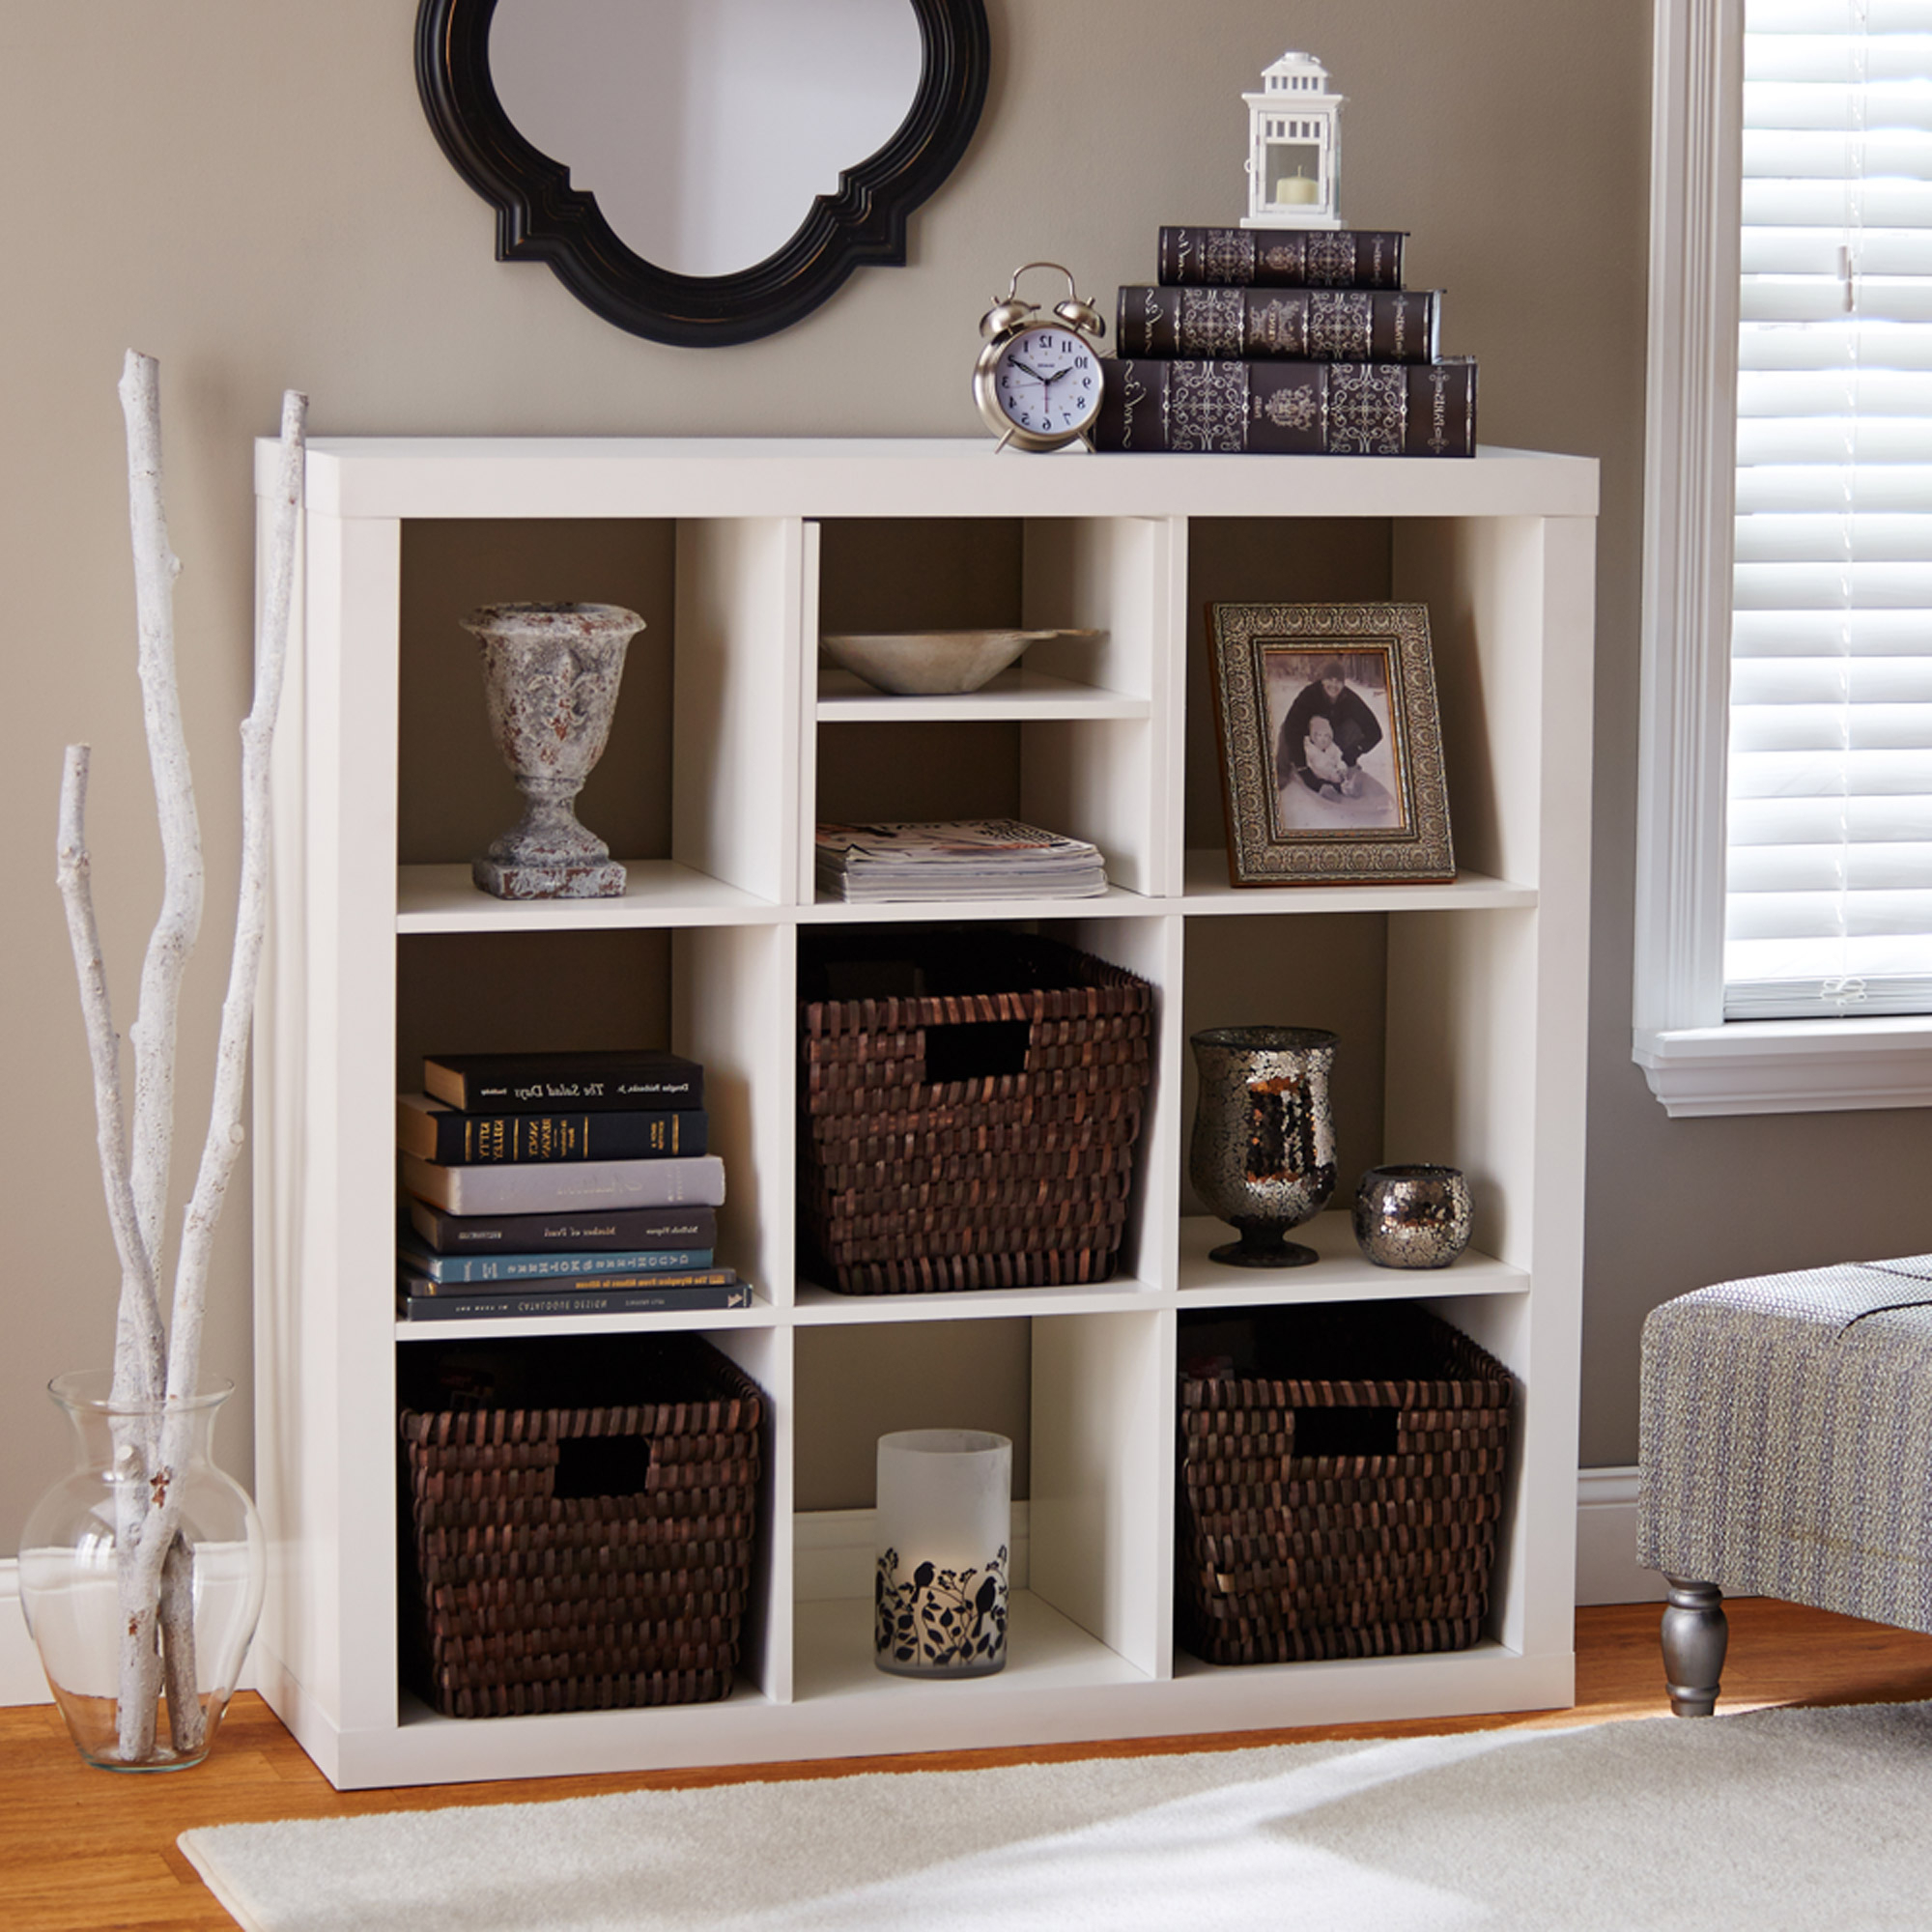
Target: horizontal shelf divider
[
  {"x": 760, "y": 1314},
  {"x": 1013, "y": 695},
  {"x": 657, "y": 891},
  {"x": 1341, "y": 1274},
  {"x": 1207, "y": 890},
  {"x": 821, "y": 1307}
]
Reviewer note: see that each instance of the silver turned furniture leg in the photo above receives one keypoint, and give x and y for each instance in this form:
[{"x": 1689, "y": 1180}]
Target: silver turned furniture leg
[{"x": 1694, "y": 1636}]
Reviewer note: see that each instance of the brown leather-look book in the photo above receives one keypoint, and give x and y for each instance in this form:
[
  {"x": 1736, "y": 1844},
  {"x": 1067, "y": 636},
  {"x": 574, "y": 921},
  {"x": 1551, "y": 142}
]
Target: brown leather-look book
[
  {"x": 1289, "y": 408},
  {"x": 1281, "y": 258},
  {"x": 1294, "y": 325}
]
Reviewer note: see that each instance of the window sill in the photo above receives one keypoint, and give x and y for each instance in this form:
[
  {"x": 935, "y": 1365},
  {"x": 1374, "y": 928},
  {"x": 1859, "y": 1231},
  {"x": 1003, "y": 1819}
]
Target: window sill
[{"x": 1789, "y": 1066}]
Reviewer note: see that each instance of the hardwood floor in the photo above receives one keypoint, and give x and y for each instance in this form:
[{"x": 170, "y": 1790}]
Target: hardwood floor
[{"x": 83, "y": 1850}]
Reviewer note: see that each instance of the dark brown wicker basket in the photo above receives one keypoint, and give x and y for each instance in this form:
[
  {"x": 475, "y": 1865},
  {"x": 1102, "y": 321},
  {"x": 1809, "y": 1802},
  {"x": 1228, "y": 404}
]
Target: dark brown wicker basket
[
  {"x": 1341, "y": 1484},
  {"x": 968, "y": 1119},
  {"x": 581, "y": 1537}
]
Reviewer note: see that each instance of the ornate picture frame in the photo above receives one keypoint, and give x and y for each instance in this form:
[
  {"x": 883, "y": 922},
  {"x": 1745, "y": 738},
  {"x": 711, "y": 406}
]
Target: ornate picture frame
[
  {"x": 1331, "y": 748},
  {"x": 540, "y": 217}
]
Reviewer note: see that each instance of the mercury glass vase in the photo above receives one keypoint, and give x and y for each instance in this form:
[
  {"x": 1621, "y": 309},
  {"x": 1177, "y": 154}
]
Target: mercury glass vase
[
  {"x": 1414, "y": 1216},
  {"x": 75, "y": 1594},
  {"x": 944, "y": 1527},
  {"x": 550, "y": 681},
  {"x": 1263, "y": 1156}
]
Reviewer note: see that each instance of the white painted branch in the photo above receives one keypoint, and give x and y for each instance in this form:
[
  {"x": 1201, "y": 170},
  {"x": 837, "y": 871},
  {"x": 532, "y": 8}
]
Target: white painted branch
[
  {"x": 137, "y": 1339},
  {"x": 187, "y": 1721},
  {"x": 137, "y": 1328},
  {"x": 178, "y": 924},
  {"x": 158, "y": 1533},
  {"x": 258, "y": 735}
]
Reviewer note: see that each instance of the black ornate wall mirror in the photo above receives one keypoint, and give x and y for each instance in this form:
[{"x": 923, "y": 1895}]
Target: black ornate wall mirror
[{"x": 702, "y": 171}]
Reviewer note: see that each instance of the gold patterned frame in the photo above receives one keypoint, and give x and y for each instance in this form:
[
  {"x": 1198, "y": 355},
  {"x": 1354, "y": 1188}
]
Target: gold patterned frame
[{"x": 1245, "y": 643}]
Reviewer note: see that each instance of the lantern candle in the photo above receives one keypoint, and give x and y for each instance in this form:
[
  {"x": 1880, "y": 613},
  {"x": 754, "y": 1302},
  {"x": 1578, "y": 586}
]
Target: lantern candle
[
  {"x": 1296, "y": 190},
  {"x": 945, "y": 1526}
]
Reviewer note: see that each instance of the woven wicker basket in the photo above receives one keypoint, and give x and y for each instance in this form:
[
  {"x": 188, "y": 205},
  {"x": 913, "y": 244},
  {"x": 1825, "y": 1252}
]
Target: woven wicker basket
[
  {"x": 581, "y": 1524},
  {"x": 969, "y": 1118},
  {"x": 1340, "y": 1485}
]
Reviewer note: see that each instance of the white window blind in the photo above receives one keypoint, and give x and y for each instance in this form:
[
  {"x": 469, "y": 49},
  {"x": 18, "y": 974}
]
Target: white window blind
[{"x": 1830, "y": 842}]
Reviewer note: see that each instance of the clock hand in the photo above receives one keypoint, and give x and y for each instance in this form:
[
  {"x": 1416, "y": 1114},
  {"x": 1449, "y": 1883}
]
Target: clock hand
[{"x": 1030, "y": 370}]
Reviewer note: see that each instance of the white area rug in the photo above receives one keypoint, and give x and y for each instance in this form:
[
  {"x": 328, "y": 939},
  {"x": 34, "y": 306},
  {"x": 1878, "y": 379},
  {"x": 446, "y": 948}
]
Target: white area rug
[{"x": 1772, "y": 1819}]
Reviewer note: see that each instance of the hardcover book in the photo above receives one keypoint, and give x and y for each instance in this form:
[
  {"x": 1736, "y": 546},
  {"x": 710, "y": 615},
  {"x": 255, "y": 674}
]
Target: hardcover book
[
  {"x": 439, "y": 1133},
  {"x": 467, "y": 1270},
  {"x": 1289, "y": 408},
  {"x": 1289, "y": 325},
  {"x": 1281, "y": 258},
  {"x": 563, "y": 1234},
  {"x": 535, "y": 1083},
  {"x": 601, "y": 1301},
  {"x": 567, "y": 1187},
  {"x": 425, "y": 1287}
]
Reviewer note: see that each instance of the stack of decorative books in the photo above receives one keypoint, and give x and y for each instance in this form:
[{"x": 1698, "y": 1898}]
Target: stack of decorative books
[
  {"x": 559, "y": 1183},
  {"x": 1299, "y": 342},
  {"x": 956, "y": 858}
]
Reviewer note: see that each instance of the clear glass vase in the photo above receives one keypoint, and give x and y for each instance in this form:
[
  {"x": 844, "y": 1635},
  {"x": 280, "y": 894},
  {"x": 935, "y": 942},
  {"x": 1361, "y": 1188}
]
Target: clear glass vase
[{"x": 142, "y": 1667}]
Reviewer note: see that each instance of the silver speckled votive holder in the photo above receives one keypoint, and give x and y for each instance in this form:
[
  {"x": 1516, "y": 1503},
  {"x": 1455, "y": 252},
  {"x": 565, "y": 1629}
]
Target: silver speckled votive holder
[{"x": 1413, "y": 1218}]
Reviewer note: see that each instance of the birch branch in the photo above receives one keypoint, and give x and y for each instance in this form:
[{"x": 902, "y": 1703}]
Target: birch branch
[
  {"x": 177, "y": 925},
  {"x": 137, "y": 1337},
  {"x": 237, "y": 1010},
  {"x": 138, "y": 1328}
]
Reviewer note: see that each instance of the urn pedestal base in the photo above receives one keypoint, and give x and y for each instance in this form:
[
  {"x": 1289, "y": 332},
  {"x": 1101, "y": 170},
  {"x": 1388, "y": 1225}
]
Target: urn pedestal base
[
  {"x": 574, "y": 879},
  {"x": 1262, "y": 1246}
]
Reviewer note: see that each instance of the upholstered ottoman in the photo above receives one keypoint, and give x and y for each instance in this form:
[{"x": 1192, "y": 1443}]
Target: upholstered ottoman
[{"x": 1787, "y": 1451}]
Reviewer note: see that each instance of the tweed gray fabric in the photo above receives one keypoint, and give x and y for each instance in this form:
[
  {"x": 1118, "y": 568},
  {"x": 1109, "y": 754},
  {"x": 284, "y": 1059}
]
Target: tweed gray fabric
[{"x": 1786, "y": 1429}]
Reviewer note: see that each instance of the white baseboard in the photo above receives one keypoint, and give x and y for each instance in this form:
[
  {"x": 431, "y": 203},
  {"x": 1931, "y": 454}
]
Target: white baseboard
[
  {"x": 1607, "y": 1566},
  {"x": 21, "y": 1681},
  {"x": 832, "y": 1556}
]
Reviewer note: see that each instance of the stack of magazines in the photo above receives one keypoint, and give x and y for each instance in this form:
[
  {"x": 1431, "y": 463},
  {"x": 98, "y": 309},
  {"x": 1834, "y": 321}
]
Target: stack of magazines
[{"x": 956, "y": 858}]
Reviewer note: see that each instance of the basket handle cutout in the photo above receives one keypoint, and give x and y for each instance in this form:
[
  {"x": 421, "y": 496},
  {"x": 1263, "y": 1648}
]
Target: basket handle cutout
[
  {"x": 602, "y": 1466},
  {"x": 1341, "y": 1430},
  {"x": 978, "y": 1050}
]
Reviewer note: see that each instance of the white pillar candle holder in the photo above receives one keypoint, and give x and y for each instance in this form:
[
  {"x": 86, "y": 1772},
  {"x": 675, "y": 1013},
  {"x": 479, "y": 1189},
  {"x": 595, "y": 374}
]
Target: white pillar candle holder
[{"x": 944, "y": 1527}]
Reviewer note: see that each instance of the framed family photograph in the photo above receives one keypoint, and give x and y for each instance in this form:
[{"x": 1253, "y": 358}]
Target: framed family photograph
[{"x": 1331, "y": 749}]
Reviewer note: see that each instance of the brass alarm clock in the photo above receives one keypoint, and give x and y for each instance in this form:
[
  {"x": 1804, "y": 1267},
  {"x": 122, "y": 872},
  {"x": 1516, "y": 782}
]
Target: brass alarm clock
[{"x": 1037, "y": 379}]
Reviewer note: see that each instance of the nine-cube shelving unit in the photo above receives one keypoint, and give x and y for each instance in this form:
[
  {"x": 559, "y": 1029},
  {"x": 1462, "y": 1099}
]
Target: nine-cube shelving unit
[{"x": 1482, "y": 1048}]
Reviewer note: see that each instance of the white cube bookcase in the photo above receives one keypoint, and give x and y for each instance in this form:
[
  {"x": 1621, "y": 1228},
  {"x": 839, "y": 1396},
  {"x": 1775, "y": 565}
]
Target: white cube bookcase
[{"x": 1481, "y": 1047}]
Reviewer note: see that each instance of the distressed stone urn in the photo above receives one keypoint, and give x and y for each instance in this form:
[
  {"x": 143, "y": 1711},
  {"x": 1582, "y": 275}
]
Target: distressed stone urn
[{"x": 550, "y": 681}]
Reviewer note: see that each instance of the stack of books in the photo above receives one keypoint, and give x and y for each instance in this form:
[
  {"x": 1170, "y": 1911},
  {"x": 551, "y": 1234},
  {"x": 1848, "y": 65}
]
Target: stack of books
[
  {"x": 956, "y": 858},
  {"x": 558, "y": 1183},
  {"x": 1297, "y": 342}
]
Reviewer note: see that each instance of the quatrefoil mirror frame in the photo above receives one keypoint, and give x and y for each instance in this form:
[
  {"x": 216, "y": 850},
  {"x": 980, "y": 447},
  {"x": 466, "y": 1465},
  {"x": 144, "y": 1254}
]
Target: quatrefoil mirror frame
[{"x": 541, "y": 217}]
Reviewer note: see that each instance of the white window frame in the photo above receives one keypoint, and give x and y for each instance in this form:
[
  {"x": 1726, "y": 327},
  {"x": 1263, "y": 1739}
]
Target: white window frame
[{"x": 1697, "y": 1062}]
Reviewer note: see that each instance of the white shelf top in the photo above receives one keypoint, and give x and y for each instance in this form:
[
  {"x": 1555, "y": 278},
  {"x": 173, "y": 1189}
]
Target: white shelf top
[
  {"x": 1206, "y": 889},
  {"x": 658, "y": 893},
  {"x": 1045, "y": 1652},
  {"x": 1341, "y": 1274},
  {"x": 844, "y": 699},
  {"x": 1114, "y": 901},
  {"x": 442, "y": 898},
  {"x": 760, "y": 1314},
  {"x": 821, "y": 1307},
  {"x": 625, "y": 476}
]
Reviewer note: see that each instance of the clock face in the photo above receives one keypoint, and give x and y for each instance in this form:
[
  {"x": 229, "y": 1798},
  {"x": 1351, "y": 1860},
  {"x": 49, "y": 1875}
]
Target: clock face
[{"x": 1047, "y": 381}]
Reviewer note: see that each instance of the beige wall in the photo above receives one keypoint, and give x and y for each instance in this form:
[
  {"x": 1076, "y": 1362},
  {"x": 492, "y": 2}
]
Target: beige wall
[{"x": 250, "y": 192}]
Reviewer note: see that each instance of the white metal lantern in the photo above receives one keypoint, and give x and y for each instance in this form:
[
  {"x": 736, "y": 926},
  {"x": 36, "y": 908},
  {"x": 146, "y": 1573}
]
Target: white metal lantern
[{"x": 1294, "y": 147}]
